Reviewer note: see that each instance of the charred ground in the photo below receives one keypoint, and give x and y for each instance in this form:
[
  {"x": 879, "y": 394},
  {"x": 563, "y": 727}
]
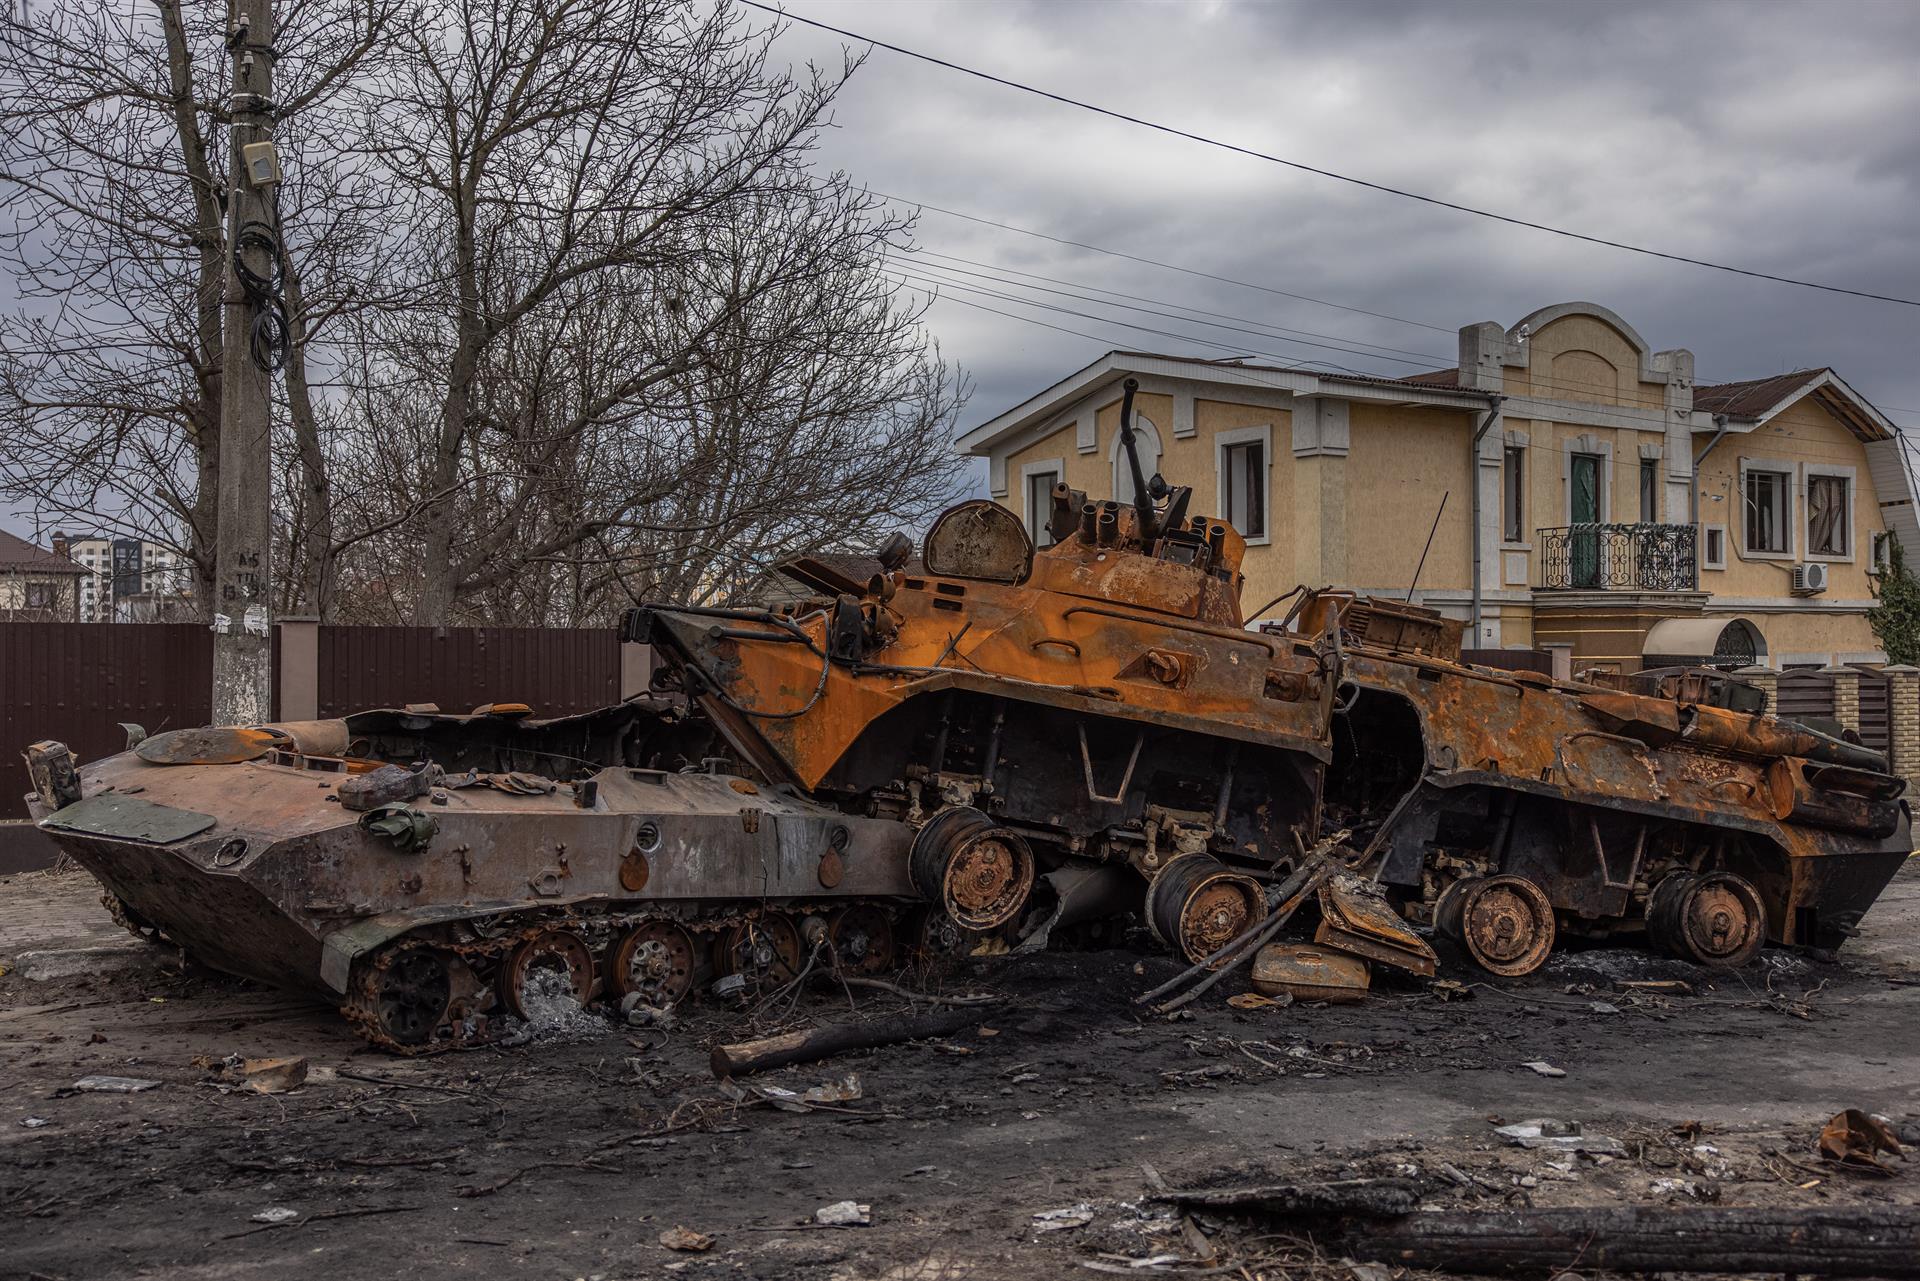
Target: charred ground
[{"x": 569, "y": 1157}]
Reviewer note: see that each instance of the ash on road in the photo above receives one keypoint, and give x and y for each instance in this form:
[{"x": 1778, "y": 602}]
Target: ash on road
[{"x": 1012, "y": 1149}]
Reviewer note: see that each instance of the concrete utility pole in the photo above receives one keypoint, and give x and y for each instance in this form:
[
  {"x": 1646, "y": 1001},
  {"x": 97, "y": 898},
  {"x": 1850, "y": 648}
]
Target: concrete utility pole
[{"x": 242, "y": 642}]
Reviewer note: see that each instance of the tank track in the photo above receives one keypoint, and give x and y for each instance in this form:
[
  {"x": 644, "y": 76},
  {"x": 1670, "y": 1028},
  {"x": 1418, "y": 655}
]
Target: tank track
[
  {"x": 131, "y": 921},
  {"x": 393, "y": 985}
]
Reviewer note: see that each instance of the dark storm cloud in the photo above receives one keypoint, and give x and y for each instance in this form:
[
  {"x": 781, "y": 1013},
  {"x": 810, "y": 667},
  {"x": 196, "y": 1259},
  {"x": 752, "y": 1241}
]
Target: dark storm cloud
[{"x": 1774, "y": 136}]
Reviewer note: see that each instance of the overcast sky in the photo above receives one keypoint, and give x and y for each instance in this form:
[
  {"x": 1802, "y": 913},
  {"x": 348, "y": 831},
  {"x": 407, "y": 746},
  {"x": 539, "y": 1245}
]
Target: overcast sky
[{"x": 1774, "y": 136}]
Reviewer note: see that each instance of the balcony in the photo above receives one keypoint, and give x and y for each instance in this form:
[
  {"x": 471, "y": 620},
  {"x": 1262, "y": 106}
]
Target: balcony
[{"x": 1625, "y": 558}]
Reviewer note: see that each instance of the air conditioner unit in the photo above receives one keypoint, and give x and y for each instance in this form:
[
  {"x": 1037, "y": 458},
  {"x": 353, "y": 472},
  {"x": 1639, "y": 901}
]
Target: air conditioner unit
[{"x": 1809, "y": 579}]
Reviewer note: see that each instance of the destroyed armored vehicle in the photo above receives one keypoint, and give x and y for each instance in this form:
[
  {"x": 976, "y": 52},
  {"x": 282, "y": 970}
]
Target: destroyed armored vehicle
[
  {"x": 1508, "y": 808},
  {"x": 1096, "y": 708},
  {"x": 993, "y": 740}
]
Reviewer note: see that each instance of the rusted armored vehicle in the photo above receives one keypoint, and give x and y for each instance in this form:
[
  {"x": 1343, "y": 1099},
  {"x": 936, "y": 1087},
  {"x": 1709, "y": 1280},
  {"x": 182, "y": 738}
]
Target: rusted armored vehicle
[
  {"x": 1091, "y": 718},
  {"x": 1509, "y": 809},
  {"x": 437, "y": 874},
  {"x": 991, "y": 739},
  {"x": 1097, "y": 707}
]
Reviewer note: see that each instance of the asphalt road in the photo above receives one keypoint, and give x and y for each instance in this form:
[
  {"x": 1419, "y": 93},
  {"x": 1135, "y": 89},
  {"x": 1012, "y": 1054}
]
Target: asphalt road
[{"x": 568, "y": 1157}]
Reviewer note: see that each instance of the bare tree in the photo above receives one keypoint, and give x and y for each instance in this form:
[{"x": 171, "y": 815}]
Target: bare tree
[
  {"x": 605, "y": 195},
  {"x": 112, "y": 158},
  {"x": 571, "y": 317}
]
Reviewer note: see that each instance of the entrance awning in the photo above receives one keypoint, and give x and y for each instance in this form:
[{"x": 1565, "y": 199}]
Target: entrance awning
[{"x": 1703, "y": 642}]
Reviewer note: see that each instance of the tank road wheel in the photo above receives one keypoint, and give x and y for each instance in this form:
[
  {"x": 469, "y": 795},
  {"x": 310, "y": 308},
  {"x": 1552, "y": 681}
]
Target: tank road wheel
[
  {"x": 979, "y": 871},
  {"x": 552, "y": 965},
  {"x": 937, "y": 940},
  {"x": 1447, "y": 908},
  {"x": 764, "y": 950},
  {"x": 411, "y": 995},
  {"x": 655, "y": 959},
  {"x": 862, "y": 940},
  {"x": 1195, "y": 906},
  {"x": 1716, "y": 920},
  {"x": 1505, "y": 922}
]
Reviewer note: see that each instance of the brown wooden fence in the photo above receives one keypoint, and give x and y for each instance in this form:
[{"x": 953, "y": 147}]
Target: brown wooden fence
[
  {"x": 1876, "y": 710},
  {"x": 556, "y": 671},
  {"x": 78, "y": 681},
  {"x": 1803, "y": 693},
  {"x": 1511, "y": 660}
]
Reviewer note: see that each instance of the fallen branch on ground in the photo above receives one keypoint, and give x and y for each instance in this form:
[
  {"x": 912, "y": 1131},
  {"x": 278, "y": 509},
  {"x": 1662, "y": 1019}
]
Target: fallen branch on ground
[
  {"x": 881, "y": 985},
  {"x": 810, "y": 1044}
]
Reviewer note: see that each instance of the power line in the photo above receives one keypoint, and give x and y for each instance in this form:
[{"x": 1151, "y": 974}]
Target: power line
[
  {"x": 1328, "y": 173},
  {"x": 1423, "y": 360},
  {"x": 1424, "y": 357},
  {"x": 923, "y": 268},
  {"x": 1155, "y": 262}
]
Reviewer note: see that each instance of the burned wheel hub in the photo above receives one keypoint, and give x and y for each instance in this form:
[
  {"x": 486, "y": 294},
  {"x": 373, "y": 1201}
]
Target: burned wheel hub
[
  {"x": 1506, "y": 923},
  {"x": 552, "y": 965},
  {"x": 980, "y": 872},
  {"x": 412, "y": 995},
  {"x": 938, "y": 940},
  {"x": 656, "y": 960},
  {"x": 1196, "y": 906},
  {"x": 862, "y": 940},
  {"x": 763, "y": 950},
  {"x": 1716, "y": 920}
]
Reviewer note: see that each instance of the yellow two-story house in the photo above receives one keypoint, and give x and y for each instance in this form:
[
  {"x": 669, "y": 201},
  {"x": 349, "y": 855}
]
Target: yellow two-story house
[{"x": 1564, "y": 487}]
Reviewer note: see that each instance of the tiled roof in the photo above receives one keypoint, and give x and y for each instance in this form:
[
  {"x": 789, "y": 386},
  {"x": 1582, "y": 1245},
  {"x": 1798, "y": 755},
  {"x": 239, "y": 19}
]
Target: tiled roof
[
  {"x": 1753, "y": 397},
  {"x": 1437, "y": 378},
  {"x": 18, "y": 556}
]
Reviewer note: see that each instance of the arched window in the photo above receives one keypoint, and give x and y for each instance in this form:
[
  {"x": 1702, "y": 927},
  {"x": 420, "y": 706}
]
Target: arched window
[{"x": 1146, "y": 441}]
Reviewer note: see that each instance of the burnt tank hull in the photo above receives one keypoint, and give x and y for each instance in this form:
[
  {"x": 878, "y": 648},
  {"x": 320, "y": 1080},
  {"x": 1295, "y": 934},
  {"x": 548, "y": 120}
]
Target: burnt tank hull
[
  {"x": 1595, "y": 796},
  {"x": 263, "y": 868}
]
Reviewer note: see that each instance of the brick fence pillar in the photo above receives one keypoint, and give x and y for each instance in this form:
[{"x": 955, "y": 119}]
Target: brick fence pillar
[
  {"x": 1765, "y": 679},
  {"x": 1846, "y": 696},
  {"x": 1903, "y": 710}
]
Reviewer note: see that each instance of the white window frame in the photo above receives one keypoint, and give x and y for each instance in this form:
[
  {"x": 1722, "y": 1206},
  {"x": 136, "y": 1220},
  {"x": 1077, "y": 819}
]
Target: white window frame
[
  {"x": 1708, "y": 561},
  {"x": 1648, "y": 467},
  {"x": 1851, "y": 476},
  {"x": 1116, "y": 457},
  {"x": 1036, "y": 521},
  {"x": 1241, "y": 436},
  {"x": 1790, "y": 517}
]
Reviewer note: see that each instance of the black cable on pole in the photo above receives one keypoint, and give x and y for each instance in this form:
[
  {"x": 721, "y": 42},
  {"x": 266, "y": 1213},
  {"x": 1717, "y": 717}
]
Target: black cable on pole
[
  {"x": 268, "y": 339},
  {"x": 1326, "y": 173}
]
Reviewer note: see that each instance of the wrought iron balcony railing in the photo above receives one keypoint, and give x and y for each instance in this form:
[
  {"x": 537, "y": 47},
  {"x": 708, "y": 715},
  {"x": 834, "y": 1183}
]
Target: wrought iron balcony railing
[{"x": 1637, "y": 558}]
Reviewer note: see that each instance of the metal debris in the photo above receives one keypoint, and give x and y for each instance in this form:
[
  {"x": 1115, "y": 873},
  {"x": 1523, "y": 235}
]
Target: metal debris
[
  {"x": 274, "y": 1076},
  {"x": 1558, "y": 1136},
  {"x": 1064, "y": 1219},
  {"x": 1855, "y": 1140},
  {"x": 113, "y": 1085},
  {"x": 685, "y": 1240}
]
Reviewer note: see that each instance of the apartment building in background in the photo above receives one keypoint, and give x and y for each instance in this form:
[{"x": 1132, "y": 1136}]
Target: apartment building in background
[
  {"x": 129, "y": 580},
  {"x": 1583, "y": 492}
]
